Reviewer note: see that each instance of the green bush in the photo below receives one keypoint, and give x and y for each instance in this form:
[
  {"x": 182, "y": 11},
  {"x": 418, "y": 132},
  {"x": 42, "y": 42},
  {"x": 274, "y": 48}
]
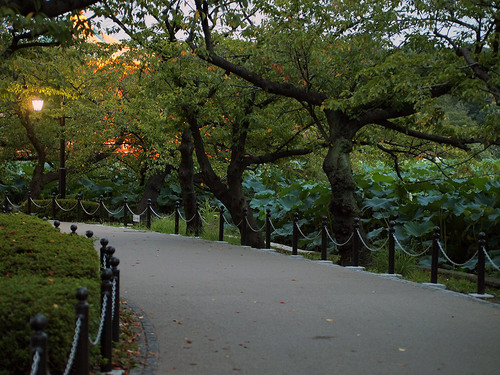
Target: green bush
[
  {"x": 40, "y": 271},
  {"x": 25, "y": 296},
  {"x": 34, "y": 247}
]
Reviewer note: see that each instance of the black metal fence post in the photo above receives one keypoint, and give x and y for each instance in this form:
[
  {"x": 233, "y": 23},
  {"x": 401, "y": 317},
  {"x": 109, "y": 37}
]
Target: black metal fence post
[
  {"x": 295, "y": 233},
  {"x": 101, "y": 209},
  {"x": 435, "y": 255},
  {"x": 29, "y": 202},
  {"x": 177, "y": 207},
  {"x": 107, "y": 331},
  {"x": 197, "y": 221},
  {"x": 221, "y": 223},
  {"x": 244, "y": 227},
  {"x": 355, "y": 243},
  {"x": 110, "y": 250},
  {"x": 114, "y": 261},
  {"x": 125, "y": 209},
  {"x": 79, "y": 208},
  {"x": 148, "y": 214},
  {"x": 481, "y": 263},
  {"x": 102, "y": 252},
  {"x": 53, "y": 205},
  {"x": 81, "y": 364},
  {"x": 392, "y": 245},
  {"x": 323, "y": 238},
  {"x": 268, "y": 228},
  {"x": 39, "y": 344}
]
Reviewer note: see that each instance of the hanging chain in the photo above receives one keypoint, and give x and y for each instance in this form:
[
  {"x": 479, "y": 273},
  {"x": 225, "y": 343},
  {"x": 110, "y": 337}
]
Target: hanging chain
[
  {"x": 407, "y": 252},
  {"x": 101, "y": 323},
  {"x": 489, "y": 259},
  {"x": 452, "y": 262},
  {"x": 72, "y": 353},
  {"x": 36, "y": 362},
  {"x": 113, "y": 298}
]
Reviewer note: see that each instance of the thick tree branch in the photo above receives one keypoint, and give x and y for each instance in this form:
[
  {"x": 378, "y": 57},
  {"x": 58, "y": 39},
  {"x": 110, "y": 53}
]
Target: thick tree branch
[
  {"x": 480, "y": 72},
  {"x": 272, "y": 157},
  {"x": 52, "y": 8},
  {"x": 455, "y": 142},
  {"x": 284, "y": 89},
  {"x": 394, "y": 158}
]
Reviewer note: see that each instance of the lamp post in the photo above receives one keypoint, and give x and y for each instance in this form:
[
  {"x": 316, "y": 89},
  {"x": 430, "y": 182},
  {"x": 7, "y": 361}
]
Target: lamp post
[{"x": 37, "y": 107}]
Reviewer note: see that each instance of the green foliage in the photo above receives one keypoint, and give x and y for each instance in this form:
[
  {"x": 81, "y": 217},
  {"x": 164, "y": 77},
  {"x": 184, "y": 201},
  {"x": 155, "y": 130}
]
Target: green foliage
[
  {"x": 25, "y": 296},
  {"x": 34, "y": 247},
  {"x": 40, "y": 270},
  {"x": 462, "y": 206}
]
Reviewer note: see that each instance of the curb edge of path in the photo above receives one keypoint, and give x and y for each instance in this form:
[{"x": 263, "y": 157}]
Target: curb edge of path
[{"x": 148, "y": 344}]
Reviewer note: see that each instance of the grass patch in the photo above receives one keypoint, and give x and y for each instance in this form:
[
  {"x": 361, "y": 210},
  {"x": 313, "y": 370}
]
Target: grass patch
[
  {"x": 404, "y": 264},
  {"x": 210, "y": 230},
  {"x": 407, "y": 267},
  {"x": 453, "y": 283}
]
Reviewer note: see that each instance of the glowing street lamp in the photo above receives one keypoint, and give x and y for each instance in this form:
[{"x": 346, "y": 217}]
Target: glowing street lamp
[{"x": 37, "y": 104}]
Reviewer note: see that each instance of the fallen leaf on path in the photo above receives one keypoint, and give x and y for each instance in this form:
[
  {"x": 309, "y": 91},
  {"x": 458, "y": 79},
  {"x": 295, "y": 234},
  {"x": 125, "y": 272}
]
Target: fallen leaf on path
[
  {"x": 402, "y": 350},
  {"x": 329, "y": 320}
]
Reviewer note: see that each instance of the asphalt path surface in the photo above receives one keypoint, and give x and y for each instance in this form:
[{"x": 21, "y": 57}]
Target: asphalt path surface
[{"x": 223, "y": 309}]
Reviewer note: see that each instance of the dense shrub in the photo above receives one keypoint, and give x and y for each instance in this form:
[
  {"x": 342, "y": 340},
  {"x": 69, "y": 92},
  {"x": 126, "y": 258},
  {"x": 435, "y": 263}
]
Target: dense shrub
[
  {"x": 40, "y": 270},
  {"x": 33, "y": 247}
]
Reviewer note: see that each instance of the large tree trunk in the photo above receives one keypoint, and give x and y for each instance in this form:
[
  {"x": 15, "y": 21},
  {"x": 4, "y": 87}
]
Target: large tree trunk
[
  {"x": 186, "y": 177},
  {"x": 39, "y": 179},
  {"x": 37, "y": 184},
  {"x": 239, "y": 203},
  {"x": 231, "y": 196},
  {"x": 153, "y": 187},
  {"x": 337, "y": 166}
]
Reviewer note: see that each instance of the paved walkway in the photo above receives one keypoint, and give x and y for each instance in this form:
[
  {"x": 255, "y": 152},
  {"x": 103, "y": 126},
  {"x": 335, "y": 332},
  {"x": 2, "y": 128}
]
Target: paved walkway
[{"x": 222, "y": 309}]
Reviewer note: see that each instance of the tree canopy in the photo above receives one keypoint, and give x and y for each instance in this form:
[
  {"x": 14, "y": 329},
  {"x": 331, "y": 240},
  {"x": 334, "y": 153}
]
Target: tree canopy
[{"x": 343, "y": 75}]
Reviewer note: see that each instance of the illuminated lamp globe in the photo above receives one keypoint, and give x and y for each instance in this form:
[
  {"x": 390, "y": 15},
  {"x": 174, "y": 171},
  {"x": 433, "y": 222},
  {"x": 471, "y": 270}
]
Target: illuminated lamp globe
[{"x": 37, "y": 104}]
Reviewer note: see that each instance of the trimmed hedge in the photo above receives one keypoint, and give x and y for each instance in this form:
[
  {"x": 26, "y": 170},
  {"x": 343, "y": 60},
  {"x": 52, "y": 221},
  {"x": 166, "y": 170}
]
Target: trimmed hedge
[{"x": 40, "y": 270}]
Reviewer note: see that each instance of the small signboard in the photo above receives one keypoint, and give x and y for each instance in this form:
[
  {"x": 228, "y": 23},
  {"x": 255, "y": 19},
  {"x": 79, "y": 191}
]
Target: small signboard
[{"x": 136, "y": 218}]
